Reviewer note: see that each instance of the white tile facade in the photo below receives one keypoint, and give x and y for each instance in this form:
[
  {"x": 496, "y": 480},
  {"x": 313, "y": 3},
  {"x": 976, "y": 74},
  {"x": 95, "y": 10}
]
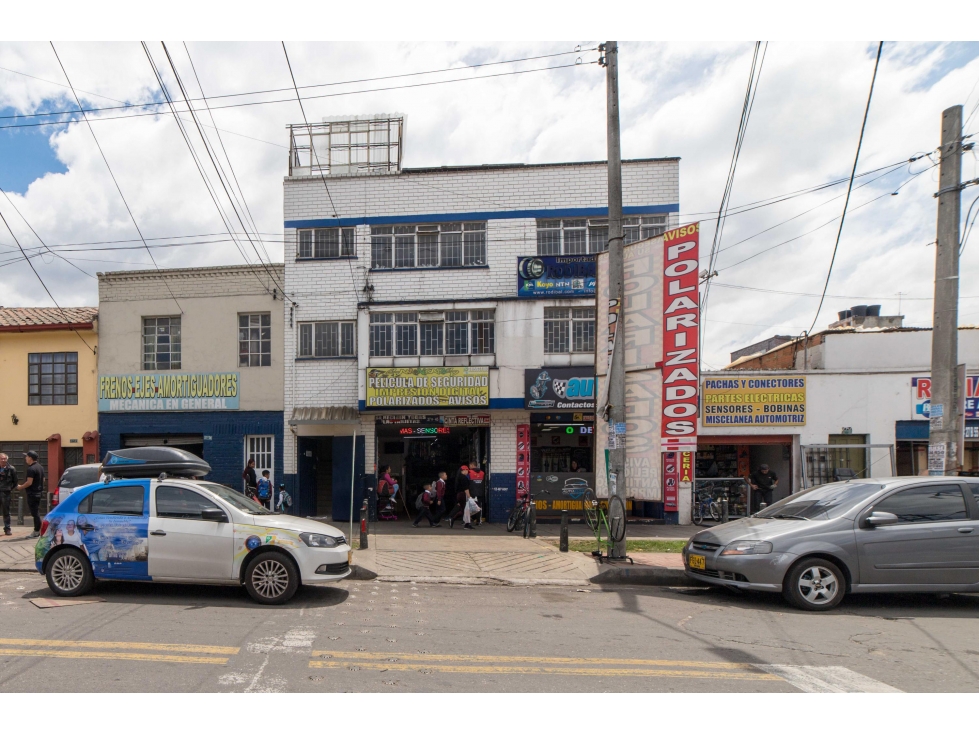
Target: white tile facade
[{"x": 334, "y": 290}]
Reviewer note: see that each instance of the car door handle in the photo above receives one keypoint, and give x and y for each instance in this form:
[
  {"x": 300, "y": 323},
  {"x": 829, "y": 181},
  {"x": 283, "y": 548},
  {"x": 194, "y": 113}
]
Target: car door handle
[
  {"x": 158, "y": 532},
  {"x": 966, "y": 530}
]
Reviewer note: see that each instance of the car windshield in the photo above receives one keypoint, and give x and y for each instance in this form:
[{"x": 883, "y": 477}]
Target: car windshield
[
  {"x": 237, "y": 499},
  {"x": 821, "y": 503}
]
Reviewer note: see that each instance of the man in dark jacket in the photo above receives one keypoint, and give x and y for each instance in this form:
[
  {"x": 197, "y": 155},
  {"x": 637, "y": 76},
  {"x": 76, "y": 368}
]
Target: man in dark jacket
[
  {"x": 763, "y": 482},
  {"x": 8, "y": 480},
  {"x": 33, "y": 486}
]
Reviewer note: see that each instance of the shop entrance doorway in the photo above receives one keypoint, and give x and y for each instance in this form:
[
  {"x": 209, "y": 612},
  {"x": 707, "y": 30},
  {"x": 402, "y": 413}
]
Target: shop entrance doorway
[
  {"x": 316, "y": 473},
  {"x": 417, "y": 452}
]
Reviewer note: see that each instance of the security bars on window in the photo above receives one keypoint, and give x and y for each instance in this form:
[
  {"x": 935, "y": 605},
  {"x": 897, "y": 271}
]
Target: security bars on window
[
  {"x": 254, "y": 340},
  {"x": 585, "y": 236},
  {"x": 432, "y": 333},
  {"x": 327, "y": 339},
  {"x": 569, "y": 330},
  {"x": 161, "y": 343},
  {"x": 325, "y": 244},
  {"x": 428, "y": 246},
  {"x": 52, "y": 378}
]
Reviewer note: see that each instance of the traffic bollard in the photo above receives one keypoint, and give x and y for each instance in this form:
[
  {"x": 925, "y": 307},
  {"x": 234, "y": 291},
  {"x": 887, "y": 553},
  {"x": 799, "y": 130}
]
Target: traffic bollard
[
  {"x": 20, "y": 510},
  {"x": 363, "y": 526},
  {"x": 564, "y": 531},
  {"x": 724, "y": 510},
  {"x": 532, "y": 520}
]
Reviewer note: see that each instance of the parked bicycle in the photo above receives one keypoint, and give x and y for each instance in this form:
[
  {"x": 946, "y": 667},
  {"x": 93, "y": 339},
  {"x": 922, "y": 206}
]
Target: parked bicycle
[
  {"x": 705, "y": 507},
  {"x": 520, "y": 514},
  {"x": 611, "y": 523}
]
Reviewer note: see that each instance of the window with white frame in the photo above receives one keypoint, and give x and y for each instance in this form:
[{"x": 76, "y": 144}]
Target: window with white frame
[
  {"x": 161, "y": 343},
  {"x": 254, "y": 339},
  {"x": 428, "y": 246},
  {"x": 641, "y": 228},
  {"x": 262, "y": 450},
  {"x": 327, "y": 339},
  {"x": 382, "y": 334},
  {"x": 326, "y": 244},
  {"x": 569, "y": 330},
  {"x": 483, "y": 332},
  {"x": 585, "y": 236},
  {"x": 433, "y": 333}
]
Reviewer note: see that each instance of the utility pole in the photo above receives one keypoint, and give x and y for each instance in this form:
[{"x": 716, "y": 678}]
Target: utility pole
[
  {"x": 616, "y": 276},
  {"x": 942, "y": 455}
]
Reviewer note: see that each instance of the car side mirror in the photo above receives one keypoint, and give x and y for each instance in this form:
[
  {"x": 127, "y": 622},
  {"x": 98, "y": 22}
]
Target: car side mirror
[
  {"x": 879, "y": 519},
  {"x": 213, "y": 514}
]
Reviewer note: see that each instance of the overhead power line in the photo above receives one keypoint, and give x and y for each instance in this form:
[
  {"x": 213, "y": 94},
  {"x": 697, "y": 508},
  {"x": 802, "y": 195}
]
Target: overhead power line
[
  {"x": 200, "y": 167},
  {"x": 38, "y": 237},
  {"x": 111, "y": 174},
  {"x": 749, "y": 99},
  {"x": 144, "y": 105},
  {"x": 849, "y": 188},
  {"x": 289, "y": 99},
  {"x": 44, "y": 285},
  {"x": 824, "y": 224},
  {"x": 316, "y": 157}
]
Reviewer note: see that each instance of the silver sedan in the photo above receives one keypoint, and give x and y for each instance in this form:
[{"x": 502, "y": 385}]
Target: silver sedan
[{"x": 903, "y": 534}]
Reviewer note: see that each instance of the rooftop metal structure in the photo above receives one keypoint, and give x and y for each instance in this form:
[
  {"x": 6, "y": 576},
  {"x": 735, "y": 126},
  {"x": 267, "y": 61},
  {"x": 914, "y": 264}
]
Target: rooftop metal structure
[{"x": 351, "y": 146}]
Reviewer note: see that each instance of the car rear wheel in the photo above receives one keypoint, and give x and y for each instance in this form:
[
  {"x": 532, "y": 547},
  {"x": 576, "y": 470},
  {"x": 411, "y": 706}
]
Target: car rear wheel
[
  {"x": 69, "y": 573},
  {"x": 271, "y": 578},
  {"x": 814, "y": 584}
]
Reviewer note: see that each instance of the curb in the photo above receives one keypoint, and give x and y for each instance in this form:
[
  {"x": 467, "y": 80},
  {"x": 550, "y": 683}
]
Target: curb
[
  {"x": 481, "y": 581},
  {"x": 645, "y": 576}
]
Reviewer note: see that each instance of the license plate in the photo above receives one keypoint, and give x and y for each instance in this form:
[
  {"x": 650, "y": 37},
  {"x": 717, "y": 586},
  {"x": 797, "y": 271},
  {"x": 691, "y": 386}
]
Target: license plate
[{"x": 697, "y": 562}]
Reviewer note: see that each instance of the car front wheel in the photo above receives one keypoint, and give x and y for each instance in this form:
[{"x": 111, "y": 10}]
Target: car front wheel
[
  {"x": 271, "y": 578},
  {"x": 69, "y": 573},
  {"x": 814, "y": 584}
]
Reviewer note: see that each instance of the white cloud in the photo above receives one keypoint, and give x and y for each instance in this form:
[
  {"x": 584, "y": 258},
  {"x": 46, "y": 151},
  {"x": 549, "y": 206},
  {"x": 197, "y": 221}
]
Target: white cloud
[{"x": 677, "y": 99}]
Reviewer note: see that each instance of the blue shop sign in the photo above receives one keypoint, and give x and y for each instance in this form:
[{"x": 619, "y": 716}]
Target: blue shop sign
[{"x": 550, "y": 276}]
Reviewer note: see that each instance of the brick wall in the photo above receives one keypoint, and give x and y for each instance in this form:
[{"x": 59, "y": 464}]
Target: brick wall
[
  {"x": 225, "y": 451},
  {"x": 331, "y": 290}
]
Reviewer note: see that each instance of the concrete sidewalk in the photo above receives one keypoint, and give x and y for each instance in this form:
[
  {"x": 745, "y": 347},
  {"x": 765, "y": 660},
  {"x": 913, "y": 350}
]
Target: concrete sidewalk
[
  {"x": 477, "y": 557},
  {"x": 17, "y": 550}
]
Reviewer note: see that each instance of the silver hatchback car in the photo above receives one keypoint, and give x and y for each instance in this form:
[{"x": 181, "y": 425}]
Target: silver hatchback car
[{"x": 903, "y": 534}]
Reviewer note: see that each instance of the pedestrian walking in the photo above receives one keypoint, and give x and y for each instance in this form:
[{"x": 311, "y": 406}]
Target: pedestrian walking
[
  {"x": 250, "y": 478},
  {"x": 8, "y": 480},
  {"x": 476, "y": 488},
  {"x": 33, "y": 486},
  {"x": 264, "y": 489},
  {"x": 423, "y": 505},
  {"x": 439, "y": 488},
  {"x": 462, "y": 496},
  {"x": 764, "y": 481}
]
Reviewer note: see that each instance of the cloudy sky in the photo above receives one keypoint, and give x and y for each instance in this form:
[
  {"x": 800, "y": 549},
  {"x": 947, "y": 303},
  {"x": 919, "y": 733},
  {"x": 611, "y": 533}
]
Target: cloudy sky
[{"x": 677, "y": 100}]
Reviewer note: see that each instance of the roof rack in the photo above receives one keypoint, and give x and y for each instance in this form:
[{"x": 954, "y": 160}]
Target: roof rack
[{"x": 150, "y": 462}]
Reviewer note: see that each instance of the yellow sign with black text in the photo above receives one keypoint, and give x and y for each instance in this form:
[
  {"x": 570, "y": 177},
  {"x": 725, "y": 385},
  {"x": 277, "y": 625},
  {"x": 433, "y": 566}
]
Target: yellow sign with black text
[
  {"x": 754, "y": 401},
  {"x": 427, "y": 387}
]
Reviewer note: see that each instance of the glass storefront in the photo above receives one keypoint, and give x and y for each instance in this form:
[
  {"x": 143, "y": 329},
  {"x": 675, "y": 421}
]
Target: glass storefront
[{"x": 562, "y": 460}]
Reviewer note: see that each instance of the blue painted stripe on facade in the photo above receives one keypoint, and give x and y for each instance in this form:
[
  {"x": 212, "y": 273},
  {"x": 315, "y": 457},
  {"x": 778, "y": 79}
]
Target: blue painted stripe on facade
[
  {"x": 586, "y": 211},
  {"x": 918, "y": 430},
  {"x": 494, "y": 404},
  {"x": 225, "y": 451}
]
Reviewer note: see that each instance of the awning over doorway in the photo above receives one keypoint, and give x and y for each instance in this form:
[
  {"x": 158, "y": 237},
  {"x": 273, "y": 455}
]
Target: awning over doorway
[{"x": 331, "y": 416}]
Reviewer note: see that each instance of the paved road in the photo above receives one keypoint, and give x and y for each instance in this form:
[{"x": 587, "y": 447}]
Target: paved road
[{"x": 380, "y": 636}]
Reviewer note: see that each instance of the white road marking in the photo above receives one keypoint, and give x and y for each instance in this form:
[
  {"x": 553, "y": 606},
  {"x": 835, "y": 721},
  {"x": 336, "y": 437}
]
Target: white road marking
[{"x": 827, "y": 679}]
